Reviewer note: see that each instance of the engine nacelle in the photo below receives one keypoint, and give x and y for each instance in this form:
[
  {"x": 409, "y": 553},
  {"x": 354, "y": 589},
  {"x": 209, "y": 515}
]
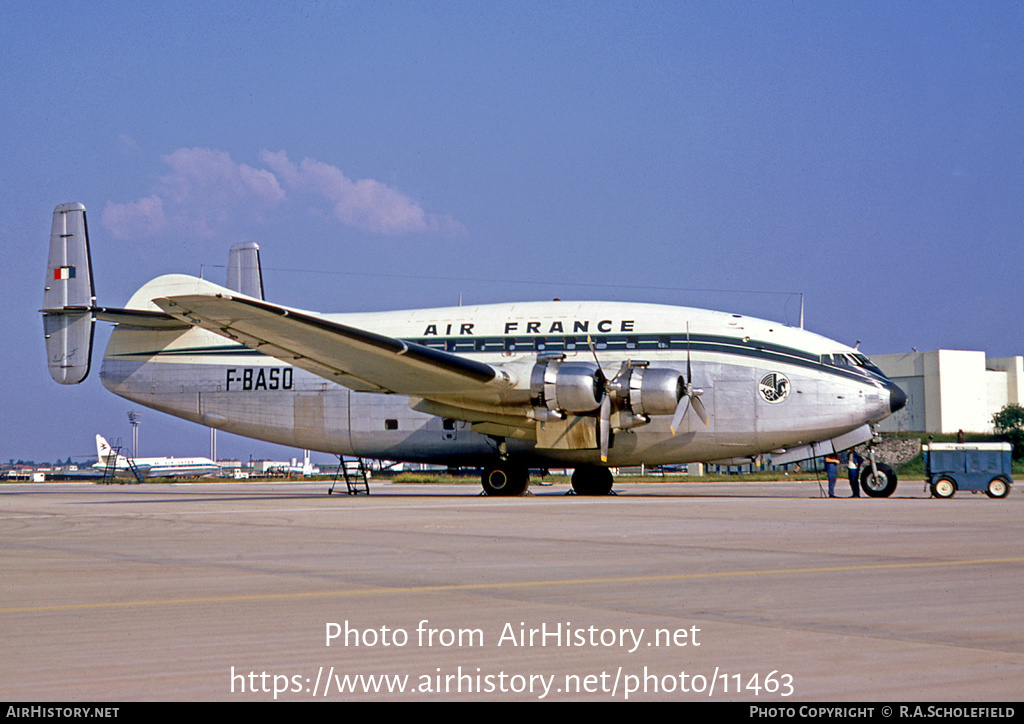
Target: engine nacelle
[
  {"x": 558, "y": 387},
  {"x": 655, "y": 391},
  {"x": 566, "y": 386}
]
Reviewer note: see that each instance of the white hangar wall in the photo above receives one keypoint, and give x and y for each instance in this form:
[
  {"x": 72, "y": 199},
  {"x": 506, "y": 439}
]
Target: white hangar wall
[{"x": 950, "y": 390}]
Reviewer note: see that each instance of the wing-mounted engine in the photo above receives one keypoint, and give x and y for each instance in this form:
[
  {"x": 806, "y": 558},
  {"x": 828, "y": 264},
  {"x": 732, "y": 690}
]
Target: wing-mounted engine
[
  {"x": 577, "y": 407},
  {"x": 559, "y": 388}
]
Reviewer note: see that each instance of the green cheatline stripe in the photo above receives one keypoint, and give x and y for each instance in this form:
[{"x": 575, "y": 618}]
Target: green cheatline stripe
[
  {"x": 504, "y": 585},
  {"x": 766, "y": 352}
]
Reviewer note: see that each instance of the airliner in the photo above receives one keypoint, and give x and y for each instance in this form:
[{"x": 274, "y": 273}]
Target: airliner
[
  {"x": 504, "y": 387},
  {"x": 157, "y": 467}
]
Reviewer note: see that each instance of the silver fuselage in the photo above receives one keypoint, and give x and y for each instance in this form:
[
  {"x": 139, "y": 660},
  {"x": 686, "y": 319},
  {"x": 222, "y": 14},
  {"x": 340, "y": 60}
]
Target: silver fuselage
[{"x": 766, "y": 386}]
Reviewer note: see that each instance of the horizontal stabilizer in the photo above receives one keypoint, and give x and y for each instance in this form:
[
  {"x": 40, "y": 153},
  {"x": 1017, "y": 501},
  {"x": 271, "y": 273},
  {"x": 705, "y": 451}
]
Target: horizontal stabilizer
[
  {"x": 140, "y": 318},
  {"x": 69, "y": 297}
]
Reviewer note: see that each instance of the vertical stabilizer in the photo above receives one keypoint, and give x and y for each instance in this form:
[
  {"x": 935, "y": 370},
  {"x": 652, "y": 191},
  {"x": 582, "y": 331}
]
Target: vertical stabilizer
[
  {"x": 103, "y": 449},
  {"x": 244, "y": 272},
  {"x": 69, "y": 297}
]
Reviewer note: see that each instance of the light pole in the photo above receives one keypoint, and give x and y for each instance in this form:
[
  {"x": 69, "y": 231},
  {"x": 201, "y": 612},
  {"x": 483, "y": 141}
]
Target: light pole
[{"x": 133, "y": 418}]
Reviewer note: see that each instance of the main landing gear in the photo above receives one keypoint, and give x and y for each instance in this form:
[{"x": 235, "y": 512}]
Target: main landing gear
[
  {"x": 507, "y": 478},
  {"x": 592, "y": 480}
]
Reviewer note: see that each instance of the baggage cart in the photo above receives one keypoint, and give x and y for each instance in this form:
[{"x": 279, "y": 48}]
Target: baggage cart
[{"x": 968, "y": 466}]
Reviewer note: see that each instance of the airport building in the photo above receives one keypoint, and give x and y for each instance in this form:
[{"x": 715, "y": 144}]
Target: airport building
[{"x": 950, "y": 390}]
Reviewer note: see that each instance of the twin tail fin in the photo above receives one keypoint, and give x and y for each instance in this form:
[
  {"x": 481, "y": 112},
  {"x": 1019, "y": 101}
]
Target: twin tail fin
[{"x": 69, "y": 297}]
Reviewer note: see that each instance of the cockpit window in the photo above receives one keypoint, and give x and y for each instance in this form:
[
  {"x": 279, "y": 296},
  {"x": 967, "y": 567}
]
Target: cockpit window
[
  {"x": 868, "y": 364},
  {"x": 839, "y": 359},
  {"x": 846, "y": 359}
]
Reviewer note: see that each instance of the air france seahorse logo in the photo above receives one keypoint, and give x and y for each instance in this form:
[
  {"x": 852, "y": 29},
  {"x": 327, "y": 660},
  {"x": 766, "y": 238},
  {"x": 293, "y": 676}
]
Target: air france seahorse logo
[{"x": 774, "y": 387}]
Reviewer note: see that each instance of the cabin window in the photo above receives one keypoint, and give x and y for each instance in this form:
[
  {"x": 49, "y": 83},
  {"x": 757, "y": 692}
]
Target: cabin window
[
  {"x": 448, "y": 424},
  {"x": 391, "y": 424}
]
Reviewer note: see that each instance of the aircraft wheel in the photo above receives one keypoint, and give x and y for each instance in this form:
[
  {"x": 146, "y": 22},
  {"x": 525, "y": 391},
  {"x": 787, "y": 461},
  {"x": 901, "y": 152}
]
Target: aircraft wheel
[
  {"x": 998, "y": 487},
  {"x": 592, "y": 480},
  {"x": 943, "y": 488},
  {"x": 505, "y": 479},
  {"x": 881, "y": 485}
]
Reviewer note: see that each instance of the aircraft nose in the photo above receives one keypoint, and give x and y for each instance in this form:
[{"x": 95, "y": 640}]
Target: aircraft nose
[{"x": 897, "y": 397}]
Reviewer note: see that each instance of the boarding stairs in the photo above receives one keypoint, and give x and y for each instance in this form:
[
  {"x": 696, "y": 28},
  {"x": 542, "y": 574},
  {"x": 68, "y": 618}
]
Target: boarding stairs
[
  {"x": 355, "y": 474},
  {"x": 110, "y": 472}
]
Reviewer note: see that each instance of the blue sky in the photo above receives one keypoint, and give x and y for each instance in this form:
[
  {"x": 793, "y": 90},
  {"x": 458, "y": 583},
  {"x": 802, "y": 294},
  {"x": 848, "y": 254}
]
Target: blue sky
[{"x": 398, "y": 154}]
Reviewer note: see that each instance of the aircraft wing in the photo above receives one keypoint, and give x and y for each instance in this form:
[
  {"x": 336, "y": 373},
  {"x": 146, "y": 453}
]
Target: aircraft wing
[{"x": 356, "y": 358}]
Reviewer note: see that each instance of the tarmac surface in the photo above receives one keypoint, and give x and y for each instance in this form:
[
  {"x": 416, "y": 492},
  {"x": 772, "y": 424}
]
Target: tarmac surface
[{"x": 761, "y": 592}]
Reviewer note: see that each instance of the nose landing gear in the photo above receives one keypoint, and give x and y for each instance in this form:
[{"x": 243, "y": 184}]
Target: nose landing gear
[{"x": 876, "y": 479}]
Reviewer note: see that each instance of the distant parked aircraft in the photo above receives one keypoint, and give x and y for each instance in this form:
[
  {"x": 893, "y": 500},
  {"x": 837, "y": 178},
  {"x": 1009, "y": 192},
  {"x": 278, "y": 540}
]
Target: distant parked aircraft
[{"x": 153, "y": 467}]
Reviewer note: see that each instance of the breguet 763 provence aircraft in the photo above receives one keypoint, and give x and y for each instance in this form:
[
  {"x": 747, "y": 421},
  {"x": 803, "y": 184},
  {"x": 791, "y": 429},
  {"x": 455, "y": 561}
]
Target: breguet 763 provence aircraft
[{"x": 507, "y": 387}]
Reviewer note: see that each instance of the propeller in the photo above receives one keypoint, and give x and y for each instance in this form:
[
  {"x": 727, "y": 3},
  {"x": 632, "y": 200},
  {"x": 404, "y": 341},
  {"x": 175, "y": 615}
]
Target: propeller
[
  {"x": 691, "y": 395},
  {"x": 609, "y": 387}
]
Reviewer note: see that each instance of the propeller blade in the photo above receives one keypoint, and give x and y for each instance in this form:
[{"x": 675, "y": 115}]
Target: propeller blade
[
  {"x": 689, "y": 372},
  {"x": 605, "y": 430},
  {"x": 690, "y": 395},
  {"x": 698, "y": 407},
  {"x": 623, "y": 369},
  {"x": 681, "y": 408},
  {"x": 600, "y": 372}
]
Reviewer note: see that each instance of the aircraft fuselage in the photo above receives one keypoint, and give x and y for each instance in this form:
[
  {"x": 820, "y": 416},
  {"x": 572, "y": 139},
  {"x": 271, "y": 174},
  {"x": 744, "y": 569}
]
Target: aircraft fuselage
[{"x": 766, "y": 386}]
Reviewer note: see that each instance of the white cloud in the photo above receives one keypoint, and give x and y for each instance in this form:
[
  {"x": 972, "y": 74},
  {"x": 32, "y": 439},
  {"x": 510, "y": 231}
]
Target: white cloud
[
  {"x": 144, "y": 217},
  {"x": 365, "y": 204},
  {"x": 207, "y": 192},
  {"x": 199, "y": 171},
  {"x": 204, "y": 193}
]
